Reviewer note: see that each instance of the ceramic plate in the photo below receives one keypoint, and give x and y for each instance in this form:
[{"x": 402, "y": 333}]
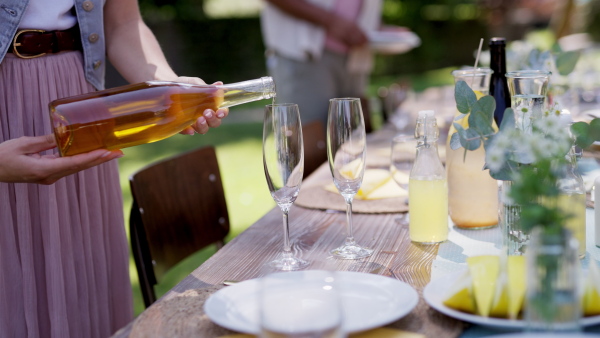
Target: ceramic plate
[
  {"x": 435, "y": 292},
  {"x": 369, "y": 300},
  {"x": 392, "y": 42}
]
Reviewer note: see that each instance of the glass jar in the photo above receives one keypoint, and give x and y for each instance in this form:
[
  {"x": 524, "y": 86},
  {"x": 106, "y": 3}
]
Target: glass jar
[
  {"x": 552, "y": 302},
  {"x": 471, "y": 208}
]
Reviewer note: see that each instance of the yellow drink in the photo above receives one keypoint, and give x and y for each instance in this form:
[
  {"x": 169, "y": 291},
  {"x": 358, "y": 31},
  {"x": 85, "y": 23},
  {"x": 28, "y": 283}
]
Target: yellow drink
[
  {"x": 428, "y": 210},
  {"x": 574, "y": 204}
]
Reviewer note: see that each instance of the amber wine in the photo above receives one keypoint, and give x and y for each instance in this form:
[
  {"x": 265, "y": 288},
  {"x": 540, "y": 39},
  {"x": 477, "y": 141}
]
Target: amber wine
[
  {"x": 428, "y": 210},
  {"x": 142, "y": 113}
]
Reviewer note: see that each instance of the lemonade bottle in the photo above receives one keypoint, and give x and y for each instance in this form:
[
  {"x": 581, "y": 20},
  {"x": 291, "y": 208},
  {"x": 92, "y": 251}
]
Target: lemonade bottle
[
  {"x": 473, "y": 193},
  {"x": 427, "y": 187}
]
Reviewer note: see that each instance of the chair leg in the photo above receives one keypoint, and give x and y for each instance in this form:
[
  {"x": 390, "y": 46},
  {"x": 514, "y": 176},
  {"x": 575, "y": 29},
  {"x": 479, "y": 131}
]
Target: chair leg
[{"x": 146, "y": 285}]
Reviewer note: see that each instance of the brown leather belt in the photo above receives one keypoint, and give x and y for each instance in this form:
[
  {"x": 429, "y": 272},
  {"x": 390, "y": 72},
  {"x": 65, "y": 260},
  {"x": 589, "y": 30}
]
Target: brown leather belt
[{"x": 32, "y": 43}]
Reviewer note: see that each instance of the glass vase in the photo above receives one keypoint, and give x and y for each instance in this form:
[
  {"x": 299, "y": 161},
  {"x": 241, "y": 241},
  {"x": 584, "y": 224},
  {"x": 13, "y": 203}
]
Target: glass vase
[
  {"x": 514, "y": 238},
  {"x": 553, "y": 282}
]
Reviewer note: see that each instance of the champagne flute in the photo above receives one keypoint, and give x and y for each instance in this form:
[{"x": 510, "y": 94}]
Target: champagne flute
[
  {"x": 404, "y": 148},
  {"x": 401, "y": 161},
  {"x": 283, "y": 160},
  {"x": 346, "y": 152}
]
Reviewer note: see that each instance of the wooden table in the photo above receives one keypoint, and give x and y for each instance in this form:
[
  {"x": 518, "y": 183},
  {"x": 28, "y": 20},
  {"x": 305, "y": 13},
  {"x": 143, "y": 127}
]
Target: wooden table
[{"x": 313, "y": 234}]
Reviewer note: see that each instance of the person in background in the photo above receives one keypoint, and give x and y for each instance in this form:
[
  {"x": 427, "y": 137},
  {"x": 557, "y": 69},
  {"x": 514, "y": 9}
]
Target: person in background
[
  {"x": 318, "y": 50},
  {"x": 63, "y": 249}
]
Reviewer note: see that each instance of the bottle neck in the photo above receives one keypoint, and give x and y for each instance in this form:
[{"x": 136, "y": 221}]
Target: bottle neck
[
  {"x": 498, "y": 59},
  {"x": 247, "y": 91}
]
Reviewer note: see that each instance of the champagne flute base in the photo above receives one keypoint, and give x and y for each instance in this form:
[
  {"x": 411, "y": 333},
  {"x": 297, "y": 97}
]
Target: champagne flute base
[
  {"x": 351, "y": 251},
  {"x": 289, "y": 263}
]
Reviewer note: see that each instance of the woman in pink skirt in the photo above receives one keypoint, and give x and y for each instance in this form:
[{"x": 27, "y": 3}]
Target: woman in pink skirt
[{"x": 63, "y": 249}]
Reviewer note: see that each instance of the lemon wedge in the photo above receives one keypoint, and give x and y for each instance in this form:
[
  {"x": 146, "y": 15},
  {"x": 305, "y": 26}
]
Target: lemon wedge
[
  {"x": 352, "y": 169},
  {"x": 591, "y": 295},
  {"x": 516, "y": 271},
  {"x": 461, "y": 294},
  {"x": 484, "y": 272}
]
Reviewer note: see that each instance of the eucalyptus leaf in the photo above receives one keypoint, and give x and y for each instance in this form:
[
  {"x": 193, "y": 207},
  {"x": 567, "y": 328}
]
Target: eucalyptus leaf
[
  {"x": 504, "y": 174},
  {"x": 481, "y": 116},
  {"x": 464, "y": 96},
  {"x": 594, "y": 132},
  {"x": 566, "y": 62},
  {"x": 469, "y": 139},
  {"x": 581, "y": 131},
  {"x": 556, "y": 48},
  {"x": 508, "y": 120},
  {"x": 459, "y": 117},
  {"x": 455, "y": 141}
]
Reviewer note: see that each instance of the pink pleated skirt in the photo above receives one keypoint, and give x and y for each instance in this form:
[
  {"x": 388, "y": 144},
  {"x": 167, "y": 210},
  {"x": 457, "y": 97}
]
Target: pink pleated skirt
[{"x": 63, "y": 248}]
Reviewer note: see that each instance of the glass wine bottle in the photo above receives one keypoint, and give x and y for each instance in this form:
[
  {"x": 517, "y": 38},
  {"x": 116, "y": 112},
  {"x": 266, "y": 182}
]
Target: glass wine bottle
[
  {"x": 142, "y": 113},
  {"x": 427, "y": 186},
  {"x": 498, "y": 83}
]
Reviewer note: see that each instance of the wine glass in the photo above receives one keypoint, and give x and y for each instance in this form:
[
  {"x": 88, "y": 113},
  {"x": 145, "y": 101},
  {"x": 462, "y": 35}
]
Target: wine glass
[
  {"x": 346, "y": 152},
  {"x": 283, "y": 160},
  {"x": 404, "y": 148},
  {"x": 401, "y": 161}
]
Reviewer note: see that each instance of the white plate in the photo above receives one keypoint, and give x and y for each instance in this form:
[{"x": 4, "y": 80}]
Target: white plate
[
  {"x": 369, "y": 300},
  {"x": 545, "y": 335},
  {"x": 435, "y": 292},
  {"x": 393, "y": 42}
]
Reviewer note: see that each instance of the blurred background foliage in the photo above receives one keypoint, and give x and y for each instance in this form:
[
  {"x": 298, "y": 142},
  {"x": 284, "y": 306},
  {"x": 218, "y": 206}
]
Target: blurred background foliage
[{"x": 221, "y": 40}]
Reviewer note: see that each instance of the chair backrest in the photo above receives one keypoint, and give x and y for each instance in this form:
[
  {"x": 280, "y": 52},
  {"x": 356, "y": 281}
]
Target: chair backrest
[
  {"x": 178, "y": 208},
  {"x": 315, "y": 146}
]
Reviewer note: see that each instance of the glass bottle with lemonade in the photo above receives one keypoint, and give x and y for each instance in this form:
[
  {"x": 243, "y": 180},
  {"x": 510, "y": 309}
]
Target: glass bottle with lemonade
[
  {"x": 472, "y": 192},
  {"x": 427, "y": 186}
]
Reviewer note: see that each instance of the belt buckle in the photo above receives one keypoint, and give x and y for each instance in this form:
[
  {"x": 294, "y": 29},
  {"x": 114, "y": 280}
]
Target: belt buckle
[{"x": 16, "y": 44}]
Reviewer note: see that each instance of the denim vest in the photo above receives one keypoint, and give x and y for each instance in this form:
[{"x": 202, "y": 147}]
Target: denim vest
[{"x": 90, "y": 18}]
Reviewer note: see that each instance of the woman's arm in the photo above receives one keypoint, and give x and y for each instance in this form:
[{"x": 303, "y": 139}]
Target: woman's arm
[{"x": 134, "y": 51}]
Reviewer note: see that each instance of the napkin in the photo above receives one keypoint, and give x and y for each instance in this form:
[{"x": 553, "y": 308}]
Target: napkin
[
  {"x": 382, "y": 332},
  {"x": 376, "y": 184}
]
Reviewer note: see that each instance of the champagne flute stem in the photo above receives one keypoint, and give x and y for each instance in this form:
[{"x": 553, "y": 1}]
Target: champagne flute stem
[
  {"x": 286, "y": 234},
  {"x": 349, "y": 228}
]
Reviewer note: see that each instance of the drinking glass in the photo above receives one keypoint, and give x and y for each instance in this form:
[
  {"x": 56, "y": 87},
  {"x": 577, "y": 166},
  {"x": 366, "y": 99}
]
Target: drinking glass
[
  {"x": 346, "y": 152},
  {"x": 302, "y": 304},
  {"x": 528, "y": 90},
  {"x": 553, "y": 299},
  {"x": 404, "y": 149},
  {"x": 283, "y": 160}
]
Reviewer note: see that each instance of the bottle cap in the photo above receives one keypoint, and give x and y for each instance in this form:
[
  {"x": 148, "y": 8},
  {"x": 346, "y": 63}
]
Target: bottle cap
[
  {"x": 497, "y": 41},
  {"x": 426, "y": 113}
]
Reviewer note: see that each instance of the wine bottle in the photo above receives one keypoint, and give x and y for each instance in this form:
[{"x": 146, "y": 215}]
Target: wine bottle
[
  {"x": 142, "y": 113},
  {"x": 498, "y": 83}
]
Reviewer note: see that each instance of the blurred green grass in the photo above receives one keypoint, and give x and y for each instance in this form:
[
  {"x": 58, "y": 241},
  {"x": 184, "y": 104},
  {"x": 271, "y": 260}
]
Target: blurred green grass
[{"x": 238, "y": 143}]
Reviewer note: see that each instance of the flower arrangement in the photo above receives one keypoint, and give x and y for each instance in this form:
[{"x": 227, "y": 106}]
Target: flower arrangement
[{"x": 532, "y": 151}]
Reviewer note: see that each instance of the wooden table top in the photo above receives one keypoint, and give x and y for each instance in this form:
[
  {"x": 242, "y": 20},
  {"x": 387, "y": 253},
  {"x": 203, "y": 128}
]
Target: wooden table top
[{"x": 313, "y": 233}]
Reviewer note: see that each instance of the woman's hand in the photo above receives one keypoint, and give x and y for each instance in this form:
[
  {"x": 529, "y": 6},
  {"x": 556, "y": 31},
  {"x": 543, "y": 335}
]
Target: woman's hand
[
  {"x": 210, "y": 118},
  {"x": 22, "y": 163}
]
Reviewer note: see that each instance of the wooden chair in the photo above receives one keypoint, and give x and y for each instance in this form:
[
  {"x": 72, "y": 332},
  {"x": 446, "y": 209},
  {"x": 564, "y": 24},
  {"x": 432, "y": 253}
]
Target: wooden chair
[
  {"x": 178, "y": 208},
  {"x": 315, "y": 146}
]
